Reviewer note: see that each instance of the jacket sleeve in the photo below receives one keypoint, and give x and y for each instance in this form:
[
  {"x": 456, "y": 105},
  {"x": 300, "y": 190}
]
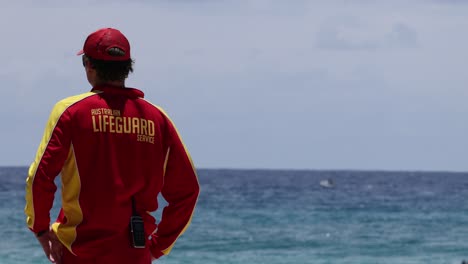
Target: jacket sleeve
[
  {"x": 180, "y": 190},
  {"x": 50, "y": 157}
]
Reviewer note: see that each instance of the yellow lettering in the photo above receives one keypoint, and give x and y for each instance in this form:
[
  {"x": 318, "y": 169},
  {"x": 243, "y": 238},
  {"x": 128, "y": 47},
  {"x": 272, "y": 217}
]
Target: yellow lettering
[
  {"x": 114, "y": 123},
  {"x": 150, "y": 128},
  {"x": 143, "y": 127},
  {"x": 100, "y": 123},
  {"x": 136, "y": 125},
  {"x": 105, "y": 122},
  {"x": 118, "y": 124},
  {"x": 143, "y": 138},
  {"x": 94, "y": 124},
  {"x": 111, "y": 124},
  {"x": 127, "y": 125}
]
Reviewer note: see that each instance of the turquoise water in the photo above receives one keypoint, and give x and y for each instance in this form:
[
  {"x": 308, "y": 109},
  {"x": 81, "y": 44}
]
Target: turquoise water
[{"x": 261, "y": 216}]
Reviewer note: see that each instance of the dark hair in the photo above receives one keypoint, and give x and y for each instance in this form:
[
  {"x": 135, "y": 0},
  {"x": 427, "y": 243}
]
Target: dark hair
[{"x": 111, "y": 70}]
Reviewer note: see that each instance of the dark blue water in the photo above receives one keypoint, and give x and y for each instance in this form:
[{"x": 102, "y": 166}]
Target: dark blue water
[{"x": 261, "y": 216}]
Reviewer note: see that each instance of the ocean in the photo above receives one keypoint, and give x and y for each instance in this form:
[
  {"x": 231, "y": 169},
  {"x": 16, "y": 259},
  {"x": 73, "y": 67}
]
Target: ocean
[{"x": 286, "y": 216}]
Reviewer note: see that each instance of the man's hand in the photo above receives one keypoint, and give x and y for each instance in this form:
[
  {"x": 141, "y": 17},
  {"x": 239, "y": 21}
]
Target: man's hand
[{"x": 51, "y": 246}]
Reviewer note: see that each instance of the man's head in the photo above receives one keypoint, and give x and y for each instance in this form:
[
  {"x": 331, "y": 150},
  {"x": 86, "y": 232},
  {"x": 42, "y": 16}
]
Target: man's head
[{"x": 106, "y": 57}]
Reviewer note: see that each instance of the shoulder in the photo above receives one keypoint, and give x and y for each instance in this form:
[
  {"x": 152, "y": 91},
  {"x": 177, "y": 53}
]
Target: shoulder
[
  {"x": 161, "y": 113},
  {"x": 61, "y": 106},
  {"x": 154, "y": 107},
  {"x": 69, "y": 101}
]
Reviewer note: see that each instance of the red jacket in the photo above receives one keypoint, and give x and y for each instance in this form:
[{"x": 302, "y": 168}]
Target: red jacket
[{"x": 110, "y": 145}]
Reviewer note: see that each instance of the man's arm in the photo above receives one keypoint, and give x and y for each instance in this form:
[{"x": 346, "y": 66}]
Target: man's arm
[
  {"x": 180, "y": 190},
  {"x": 50, "y": 157}
]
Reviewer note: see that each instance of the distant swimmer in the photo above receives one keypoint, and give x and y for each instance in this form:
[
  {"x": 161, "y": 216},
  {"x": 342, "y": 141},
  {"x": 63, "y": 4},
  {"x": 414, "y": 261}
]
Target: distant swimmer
[{"x": 328, "y": 183}]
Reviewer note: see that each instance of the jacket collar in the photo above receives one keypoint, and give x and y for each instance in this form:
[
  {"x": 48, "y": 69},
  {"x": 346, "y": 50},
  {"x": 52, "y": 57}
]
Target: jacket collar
[{"x": 114, "y": 90}]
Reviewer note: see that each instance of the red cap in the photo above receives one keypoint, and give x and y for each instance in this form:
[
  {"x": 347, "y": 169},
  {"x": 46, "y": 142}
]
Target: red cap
[{"x": 98, "y": 45}]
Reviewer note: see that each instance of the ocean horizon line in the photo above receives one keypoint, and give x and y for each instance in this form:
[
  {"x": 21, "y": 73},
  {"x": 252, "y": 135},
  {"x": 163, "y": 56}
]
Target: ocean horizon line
[{"x": 410, "y": 171}]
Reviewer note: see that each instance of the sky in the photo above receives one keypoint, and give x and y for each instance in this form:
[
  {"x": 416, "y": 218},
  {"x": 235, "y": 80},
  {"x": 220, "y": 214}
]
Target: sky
[{"x": 259, "y": 84}]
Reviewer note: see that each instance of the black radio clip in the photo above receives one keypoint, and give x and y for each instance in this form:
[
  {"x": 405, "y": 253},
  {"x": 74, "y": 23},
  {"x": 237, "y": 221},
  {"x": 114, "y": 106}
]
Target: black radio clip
[{"x": 137, "y": 229}]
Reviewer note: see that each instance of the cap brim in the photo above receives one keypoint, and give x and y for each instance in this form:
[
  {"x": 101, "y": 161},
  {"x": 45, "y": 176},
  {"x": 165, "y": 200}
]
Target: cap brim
[{"x": 81, "y": 52}]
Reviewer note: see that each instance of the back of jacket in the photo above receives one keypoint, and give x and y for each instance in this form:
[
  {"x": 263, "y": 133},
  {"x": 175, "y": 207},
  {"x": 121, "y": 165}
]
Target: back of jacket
[{"x": 111, "y": 147}]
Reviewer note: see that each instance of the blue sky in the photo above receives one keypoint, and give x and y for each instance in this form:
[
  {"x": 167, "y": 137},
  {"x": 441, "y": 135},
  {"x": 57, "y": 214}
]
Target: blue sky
[{"x": 260, "y": 84}]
